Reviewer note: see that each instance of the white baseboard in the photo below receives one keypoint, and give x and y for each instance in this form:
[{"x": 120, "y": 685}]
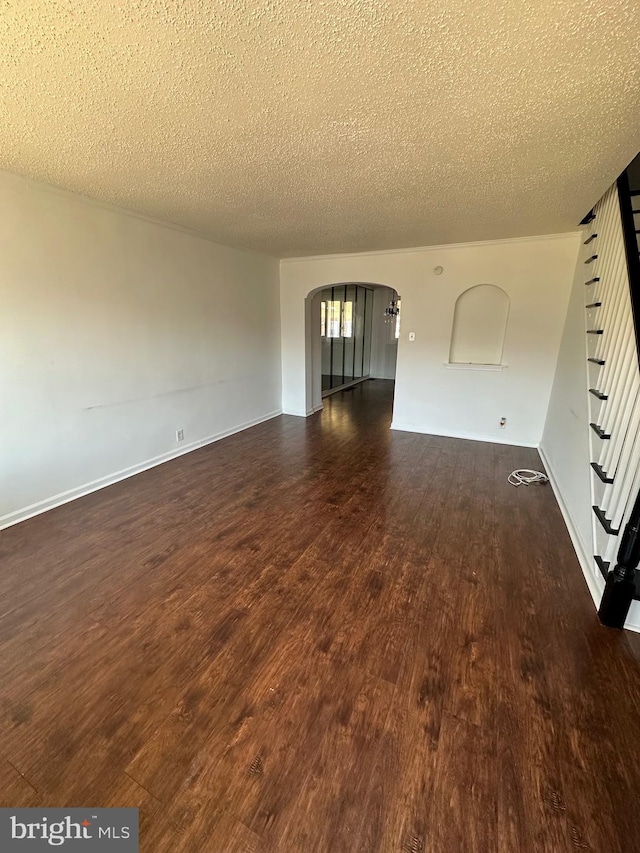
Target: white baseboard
[
  {"x": 80, "y": 491},
  {"x": 351, "y": 384},
  {"x": 470, "y": 436},
  {"x": 633, "y": 619},
  {"x": 595, "y": 583},
  {"x": 591, "y": 572}
]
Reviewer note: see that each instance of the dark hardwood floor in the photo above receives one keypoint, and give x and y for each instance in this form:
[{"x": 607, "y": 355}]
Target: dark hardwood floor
[{"x": 320, "y": 636}]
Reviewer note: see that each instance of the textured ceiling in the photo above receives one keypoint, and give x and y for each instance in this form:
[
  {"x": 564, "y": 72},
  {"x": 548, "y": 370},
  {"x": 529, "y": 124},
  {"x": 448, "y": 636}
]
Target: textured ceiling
[{"x": 300, "y": 127}]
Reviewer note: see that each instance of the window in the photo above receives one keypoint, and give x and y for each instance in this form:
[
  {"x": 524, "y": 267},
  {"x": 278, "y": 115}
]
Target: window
[
  {"x": 330, "y": 316},
  {"x": 336, "y": 319},
  {"x": 347, "y": 319}
]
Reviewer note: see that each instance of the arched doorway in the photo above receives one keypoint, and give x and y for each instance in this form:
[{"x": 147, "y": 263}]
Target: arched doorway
[{"x": 351, "y": 335}]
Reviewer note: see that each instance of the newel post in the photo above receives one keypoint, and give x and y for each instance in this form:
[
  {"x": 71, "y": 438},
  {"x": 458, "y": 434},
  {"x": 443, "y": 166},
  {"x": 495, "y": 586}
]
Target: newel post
[{"x": 620, "y": 584}]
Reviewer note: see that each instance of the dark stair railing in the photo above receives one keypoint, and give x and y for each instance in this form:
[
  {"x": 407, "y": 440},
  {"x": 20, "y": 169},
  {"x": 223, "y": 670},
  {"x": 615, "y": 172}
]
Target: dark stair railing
[
  {"x": 620, "y": 586},
  {"x": 631, "y": 246},
  {"x": 621, "y": 582}
]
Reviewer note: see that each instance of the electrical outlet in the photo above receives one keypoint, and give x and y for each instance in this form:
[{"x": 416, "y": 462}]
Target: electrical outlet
[
  {"x": 503, "y": 423},
  {"x": 180, "y": 435}
]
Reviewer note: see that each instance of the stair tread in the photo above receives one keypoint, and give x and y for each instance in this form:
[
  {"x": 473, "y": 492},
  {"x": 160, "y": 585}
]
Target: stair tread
[
  {"x": 599, "y": 431},
  {"x": 601, "y": 474},
  {"x": 604, "y": 521}
]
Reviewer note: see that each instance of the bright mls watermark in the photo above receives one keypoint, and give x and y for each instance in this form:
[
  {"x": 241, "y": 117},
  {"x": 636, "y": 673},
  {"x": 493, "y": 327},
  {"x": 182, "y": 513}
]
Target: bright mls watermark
[{"x": 82, "y": 830}]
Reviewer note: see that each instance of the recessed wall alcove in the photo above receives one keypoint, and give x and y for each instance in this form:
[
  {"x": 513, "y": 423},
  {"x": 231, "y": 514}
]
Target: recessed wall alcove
[{"x": 479, "y": 327}]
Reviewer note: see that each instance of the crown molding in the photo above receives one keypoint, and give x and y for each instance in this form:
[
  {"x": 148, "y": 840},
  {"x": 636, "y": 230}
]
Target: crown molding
[
  {"x": 40, "y": 186},
  {"x": 564, "y": 235}
]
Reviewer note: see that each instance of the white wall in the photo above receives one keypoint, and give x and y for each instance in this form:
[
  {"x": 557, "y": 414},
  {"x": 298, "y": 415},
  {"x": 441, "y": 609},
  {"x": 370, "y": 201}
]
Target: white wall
[
  {"x": 115, "y": 331},
  {"x": 536, "y": 273},
  {"x": 314, "y": 305},
  {"x": 565, "y": 440}
]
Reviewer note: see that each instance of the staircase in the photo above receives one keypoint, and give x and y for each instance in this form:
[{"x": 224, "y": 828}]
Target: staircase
[{"x": 610, "y": 254}]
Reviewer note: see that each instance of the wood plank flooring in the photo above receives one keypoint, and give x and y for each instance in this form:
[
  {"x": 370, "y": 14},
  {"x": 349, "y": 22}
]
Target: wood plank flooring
[{"x": 320, "y": 635}]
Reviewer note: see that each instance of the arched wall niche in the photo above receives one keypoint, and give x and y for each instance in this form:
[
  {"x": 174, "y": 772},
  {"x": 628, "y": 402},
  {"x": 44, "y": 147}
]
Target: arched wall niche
[{"x": 479, "y": 326}]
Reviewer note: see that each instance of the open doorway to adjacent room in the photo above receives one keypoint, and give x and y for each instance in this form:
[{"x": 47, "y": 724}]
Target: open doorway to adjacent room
[{"x": 352, "y": 336}]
